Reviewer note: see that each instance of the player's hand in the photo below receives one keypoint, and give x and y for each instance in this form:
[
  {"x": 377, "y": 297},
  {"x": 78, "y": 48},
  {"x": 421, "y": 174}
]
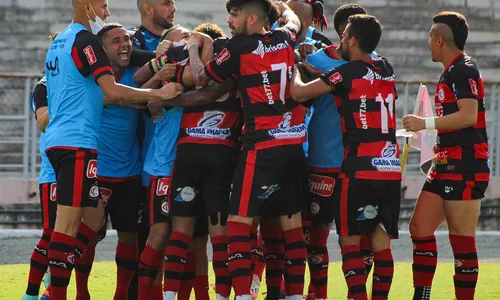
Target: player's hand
[
  {"x": 413, "y": 123},
  {"x": 171, "y": 90},
  {"x": 282, "y": 6},
  {"x": 167, "y": 72},
  {"x": 306, "y": 49},
  {"x": 310, "y": 69},
  {"x": 163, "y": 48}
]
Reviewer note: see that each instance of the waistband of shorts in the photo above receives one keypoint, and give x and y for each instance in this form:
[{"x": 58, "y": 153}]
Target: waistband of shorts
[
  {"x": 118, "y": 179},
  {"x": 71, "y": 149}
]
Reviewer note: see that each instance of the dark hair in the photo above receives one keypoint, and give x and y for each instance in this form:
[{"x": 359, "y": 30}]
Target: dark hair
[
  {"x": 458, "y": 25},
  {"x": 367, "y": 30},
  {"x": 267, "y": 7},
  {"x": 108, "y": 27},
  {"x": 211, "y": 30},
  {"x": 319, "y": 13},
  {"x": 342, "y": 14}
]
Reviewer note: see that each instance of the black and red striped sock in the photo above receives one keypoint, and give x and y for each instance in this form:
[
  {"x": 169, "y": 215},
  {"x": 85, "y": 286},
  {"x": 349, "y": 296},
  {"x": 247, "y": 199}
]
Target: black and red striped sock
[
  {"x": 318, "y": 259},
  {"x": 365, "y": 247},
  {"x": 84, "y": 236},
  {"x": 187, "y": 277},
  {"x": 295, "y": 255},
  {"x": 260, "y": 264},
  {"x": 149, "y": 266},
  {"x": 221, "y": 270},
  {"x": 126, "y": 263},
  {"x": 83, "y": 267},
  {"x": 39, "y": 263},
  {"x": 255, "y": 250},
  {"x": 466, "y": 266},
  {"x": 201, "y": 288},
  {"x": 175, "y": 260},
  {"x": 61, "y": 263},
  {"x": 382, "y": 274},
  {"x": 239, "y": 256},
  {"x": 274, "y": 253},
  {"x": 354, "y": 272},
  {"x": 425, "y": 257}
]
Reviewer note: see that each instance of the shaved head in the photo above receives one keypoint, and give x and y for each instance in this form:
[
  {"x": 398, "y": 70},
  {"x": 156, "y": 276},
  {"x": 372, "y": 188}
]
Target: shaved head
[
  {"x": 302, "y": 10},
  {"x": 140, "y": 4},
  {"x": 444, "y": 31}
]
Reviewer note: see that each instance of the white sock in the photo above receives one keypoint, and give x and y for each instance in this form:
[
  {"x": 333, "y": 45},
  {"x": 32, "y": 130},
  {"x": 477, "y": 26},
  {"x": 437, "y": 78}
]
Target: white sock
[
  {"x": 244, "y": 297},
  {"x": 220, "y": 297},
  {"x": 169, "y": 295},
  {"x": 294, "y": 297}
]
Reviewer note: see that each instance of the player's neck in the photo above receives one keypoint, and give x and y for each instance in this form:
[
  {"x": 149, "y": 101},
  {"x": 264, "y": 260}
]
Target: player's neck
[
  {"x": 366, "y": 57},
  {"x": 81, "y": 19},
  {"x": 449, "y": 56},
  {"x": 151, "y": 27},
  {"x": 117, "y": 72}
]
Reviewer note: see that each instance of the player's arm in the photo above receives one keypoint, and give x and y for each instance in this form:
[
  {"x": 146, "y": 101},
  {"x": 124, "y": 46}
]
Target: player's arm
[
  {"x": 203, "y": 96},
  {"x": 466, "y": 82},
  {"x": 302, "y": 92},
  {"x": 91, "y": 59},
  {"x": 288, "y": 17},
  {"x": 40, "y": 104},
  {"x": 198, "y": 62}
]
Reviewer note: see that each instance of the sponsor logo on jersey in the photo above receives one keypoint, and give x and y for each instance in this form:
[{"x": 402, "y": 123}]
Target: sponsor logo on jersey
[
  {"x": 262, "y": 49},
  {"x": 372, "y": 76},
  {"x": 186, "y": 194},
  {"x": 53, "y": 191},
  {"x": 473, "y": 87},
  {"x": 286, "y": 131},
  {"x": 89, "y": 53},
  {"x": 92, "y": 169},
  {"x": 106, "y": 195},
  {"x": 94, "y": 192},
  {"x": 441, "y": 158},
  {"x": 335, "y": 78},
  {"x": 439, "y": 110},
  {"x": 315, "y": 208},
  {"x": 211, "y": 119},
  {"x": 269, "y": 190},
  {"x": 208, "y": 127},
  {"x": 387, "y": 162},
  {"x": 293, "y": 36},
  {"x": 448, "y": 189},
  {"x": 368, "y": 212},
  {"x": 222, "y": 57},
  {"x": 321, "y": 185},
  {"x": 164, "y": 207},
  {"x": 362, "y": 112},
  {"x": 162, "y": 186},
  {"x": 440, "y": 95}
]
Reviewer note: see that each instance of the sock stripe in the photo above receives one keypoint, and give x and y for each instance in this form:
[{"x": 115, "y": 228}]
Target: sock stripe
[
  {"x": 424, "y": 268},
  {"x": 84, "y": 269},
  {"x": 148, "y": 272},
  {"x": 219, "y": 264},
  {"x": 178, "y": 244},
  {"x": 385, "y": 263},
  {"x": 273, "y": 242},
  {"x": 60, "y": 247},
  {"x": 82, "y": 238},
  {"x": 465, "y": 284},
  {"x": 239, "y": 239},
  {"x": 126, "y": 264},
  {"x": 466, "y": 256},
  {"x": 427, "y": 240},
  {"x": 296, "y": 245},
  {"x": 219, "y": 247}
]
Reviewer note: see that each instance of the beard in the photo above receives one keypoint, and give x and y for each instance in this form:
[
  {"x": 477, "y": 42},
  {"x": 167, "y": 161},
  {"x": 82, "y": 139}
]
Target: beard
[
  {"x": 344, "y": 53},
  {"x": 162, "y": 22}
]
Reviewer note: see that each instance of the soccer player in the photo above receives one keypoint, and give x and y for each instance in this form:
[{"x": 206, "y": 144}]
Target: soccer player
[
  {"x": 208, "y": 150},
  {"x": 78, "y": 74},
  {"x": 119, "y": 162},
  {"x": 367, "y": 192},
  {"x": 461, "y": 172},
  {"x": 47, "y": 186},
  {"x": 270, "y": 177}
]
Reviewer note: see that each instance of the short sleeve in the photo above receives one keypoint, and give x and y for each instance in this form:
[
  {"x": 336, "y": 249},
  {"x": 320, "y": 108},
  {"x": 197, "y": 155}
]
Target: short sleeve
[
  {"x": 466, "y": 82},
  {"x": 89, "y": 56},
  {"x": 40, "y": 95},
  {"x": 320, "y": 37},
  {"x": 291, "y": 35},
  {"x": 337, "y": 78},
  {"x": 226, "y": 63}
]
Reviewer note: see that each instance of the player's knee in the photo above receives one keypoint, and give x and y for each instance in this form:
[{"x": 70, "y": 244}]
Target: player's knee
[
  {"x": 158, "y": 236},
  {"x": 419, "y": 228}
]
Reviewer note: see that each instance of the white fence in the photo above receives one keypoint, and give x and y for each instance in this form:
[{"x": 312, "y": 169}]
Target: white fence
[{"x": 19, "y": 151}]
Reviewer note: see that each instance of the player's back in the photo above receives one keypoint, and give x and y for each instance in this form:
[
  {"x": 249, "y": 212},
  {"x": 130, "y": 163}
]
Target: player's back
[
  {"x": 365, "y": 100},
  {"x": 75, "y": 101}
]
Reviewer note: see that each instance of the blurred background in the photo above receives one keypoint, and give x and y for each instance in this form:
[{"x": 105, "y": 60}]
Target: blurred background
[{"x": 26, "y": 24}]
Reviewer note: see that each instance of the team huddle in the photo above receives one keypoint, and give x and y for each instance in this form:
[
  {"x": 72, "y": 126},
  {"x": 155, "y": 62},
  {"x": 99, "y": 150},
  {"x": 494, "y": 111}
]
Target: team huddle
[{"x": 262, "y": 141}]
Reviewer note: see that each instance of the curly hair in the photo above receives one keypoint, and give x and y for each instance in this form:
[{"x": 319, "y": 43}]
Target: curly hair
[{"x": 211, "y": 30}]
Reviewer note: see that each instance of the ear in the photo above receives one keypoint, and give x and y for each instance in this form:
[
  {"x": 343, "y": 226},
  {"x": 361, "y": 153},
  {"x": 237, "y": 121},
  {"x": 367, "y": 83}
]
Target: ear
[
  {"x": 148, "y": 9},
  {"x": 440, "y": 41},
  {"x": 253, "y": 19}
]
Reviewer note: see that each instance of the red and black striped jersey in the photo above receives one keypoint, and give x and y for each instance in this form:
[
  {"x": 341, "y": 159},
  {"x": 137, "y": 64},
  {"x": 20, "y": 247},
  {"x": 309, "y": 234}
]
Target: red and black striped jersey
[
  {"x": 464, "y": 150},
  {"x": 217, "y": 123},
  {"x": 262, "y": 65},
  {"x": 365, "y": 96}
]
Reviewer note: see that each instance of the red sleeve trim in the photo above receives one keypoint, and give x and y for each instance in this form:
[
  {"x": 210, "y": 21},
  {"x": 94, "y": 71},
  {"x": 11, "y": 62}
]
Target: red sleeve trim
[
  {"x": 76, "y": 58},
  {"x": 102, "y": 70},
  {"x": 211, "y": 73}
]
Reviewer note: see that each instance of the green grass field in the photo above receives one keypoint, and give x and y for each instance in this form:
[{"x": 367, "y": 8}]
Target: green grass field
[{"x": 102, "y": 281}]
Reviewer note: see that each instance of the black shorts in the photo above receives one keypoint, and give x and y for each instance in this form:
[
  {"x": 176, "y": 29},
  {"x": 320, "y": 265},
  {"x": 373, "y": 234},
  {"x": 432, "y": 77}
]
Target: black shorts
[
  {"x": 159, "y": 193},
  {"x": 122, "y": 199},
  {"x": 48, "y": 203},
  {"x": 362, "y": 204},
  {"x": 456, "y": 189},
  {"x": 270, "y": 182},
  {"x": 321, "y": 205},
  {"x": 76, "y": 172},
  {"x": 201, "y": 179}
]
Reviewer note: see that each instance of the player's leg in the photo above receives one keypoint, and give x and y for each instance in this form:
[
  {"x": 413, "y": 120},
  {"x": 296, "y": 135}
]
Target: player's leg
[
  {"x": 123, "y": 206},
  {"x": 462, "y": 217},
  {"x": 189, "y": 273},
  {"x": 76, "y": 188},
  {"x": 427, "y": 216},
  {"x": 388, "y": 204},
  {"x": 150, "y": 260},
  {"x": 201, "y": 285},
  {"x": 39, "y": 262},
  {"x": 274, "y": 255}
]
